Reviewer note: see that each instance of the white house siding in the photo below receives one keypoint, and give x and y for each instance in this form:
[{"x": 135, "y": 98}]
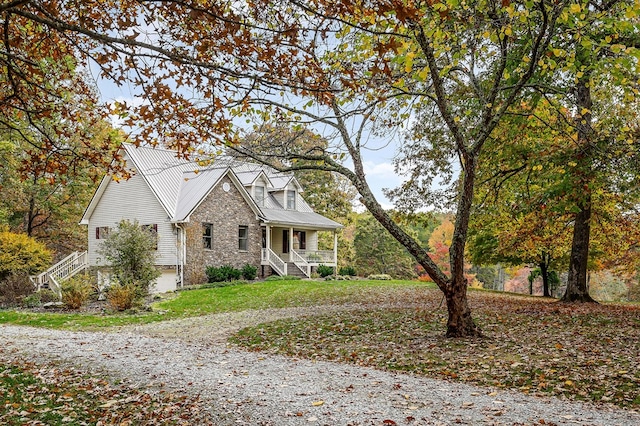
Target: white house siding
[
  {"x": 312, "y": 240},
  {"x": 132, "y": 200},
  {"x": 166, "y": 281}
]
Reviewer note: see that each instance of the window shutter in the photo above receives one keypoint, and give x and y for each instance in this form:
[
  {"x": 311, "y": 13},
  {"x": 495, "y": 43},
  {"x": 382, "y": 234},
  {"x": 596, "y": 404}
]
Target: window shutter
[{"x": 97, "y": 233}]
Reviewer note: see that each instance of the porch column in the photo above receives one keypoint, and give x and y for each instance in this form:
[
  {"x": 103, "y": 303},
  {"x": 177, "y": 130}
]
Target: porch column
[
  {"x": 335, "y": 247},
  {"x": 290, "y": 242},
  {"x": 268, "y": 240}
]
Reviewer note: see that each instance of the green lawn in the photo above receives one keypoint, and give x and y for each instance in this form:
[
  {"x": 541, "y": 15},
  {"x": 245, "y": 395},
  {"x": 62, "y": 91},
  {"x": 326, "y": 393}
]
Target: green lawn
[
  {"x": 533, "y": 345},
  {"x": 257, "y": 295}
]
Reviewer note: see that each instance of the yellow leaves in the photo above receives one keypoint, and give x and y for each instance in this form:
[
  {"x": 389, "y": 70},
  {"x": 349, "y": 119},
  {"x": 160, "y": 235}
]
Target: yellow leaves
[
  {"x": 423, "y": 74},
  {"x": 575, "y": 8}
]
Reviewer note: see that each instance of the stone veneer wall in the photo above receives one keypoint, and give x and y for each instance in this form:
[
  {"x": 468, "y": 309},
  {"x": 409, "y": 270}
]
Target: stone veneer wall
[{"x": 226, "y": 211}]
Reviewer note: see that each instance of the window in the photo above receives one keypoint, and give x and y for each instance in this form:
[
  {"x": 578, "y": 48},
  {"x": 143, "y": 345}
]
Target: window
[
  {"x": 207, "y": 235},
  {"x": 291, "y": 200},
  {"x": 102, "y": 232},
  {"x": 153, "y": 230},
  {"x": 243, "y": 237},
  {"x": 259, "y": 192}
]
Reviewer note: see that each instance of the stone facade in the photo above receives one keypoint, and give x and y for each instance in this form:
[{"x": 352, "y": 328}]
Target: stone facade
[{"x": 226, "y": 211}]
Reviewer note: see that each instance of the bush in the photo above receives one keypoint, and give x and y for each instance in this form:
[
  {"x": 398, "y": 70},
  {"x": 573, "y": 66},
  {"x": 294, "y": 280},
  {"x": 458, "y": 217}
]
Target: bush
[
  {"x": 76, "y": 291},
  {"x": 131, "y": 252},
  {"x": 249, "y": 272},
  {"x": 121, "y": 297},
  {"x": 282, "y": 278},
  {"x": 222, "y": 273},
  {"x": 325, "y": 270},
  {"x": 32, "y": 300},
  {"x": 14, "y": 288},
  {"x": 347, "y": 271},
  {"x": 47, "y": 296},
  {"x": 379, "y": 277},
  {"x": 21, "y": 255}
]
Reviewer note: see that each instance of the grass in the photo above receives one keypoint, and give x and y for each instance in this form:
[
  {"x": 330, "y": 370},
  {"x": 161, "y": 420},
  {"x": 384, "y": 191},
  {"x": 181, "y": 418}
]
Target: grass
[
  {"x": 256, "y": 295},
  {"x": 47, "y": 395},
  {"x": 534, "y": 345}
]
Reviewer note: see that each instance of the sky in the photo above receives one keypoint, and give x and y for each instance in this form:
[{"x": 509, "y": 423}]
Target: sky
[{"x": 378, "y": 162}]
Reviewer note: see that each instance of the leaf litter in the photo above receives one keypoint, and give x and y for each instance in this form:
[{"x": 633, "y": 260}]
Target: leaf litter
[
  {"x": 537, "y": 346},
  {"x": 47, "y": 394}
]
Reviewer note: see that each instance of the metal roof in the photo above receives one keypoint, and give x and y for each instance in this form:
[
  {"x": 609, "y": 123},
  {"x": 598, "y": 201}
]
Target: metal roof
[{"x": 180, "y": 184}]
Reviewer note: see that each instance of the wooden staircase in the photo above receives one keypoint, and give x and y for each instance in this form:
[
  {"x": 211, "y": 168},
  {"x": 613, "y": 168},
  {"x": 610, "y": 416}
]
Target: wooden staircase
[{"x": 66, "y": 268}]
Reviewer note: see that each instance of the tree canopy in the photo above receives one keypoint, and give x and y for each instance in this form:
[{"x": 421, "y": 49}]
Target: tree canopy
[{"x": 356, "y": 72}]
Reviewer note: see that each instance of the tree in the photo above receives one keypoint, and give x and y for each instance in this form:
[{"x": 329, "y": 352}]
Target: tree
[
  {"x": 130, "y": 250},
  {"x": 350, "y": 69},
  {"x": 377, "y": 252},
  {"x": 603, "y": 58},
  {"x": 44, "y": 201}
]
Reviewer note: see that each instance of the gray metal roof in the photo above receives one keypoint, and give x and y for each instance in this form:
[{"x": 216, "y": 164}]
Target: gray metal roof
[
  {"x": 194, "y": 188},
  {"x": 180, "y": 185},
  {"x": 294, "y": 217}
]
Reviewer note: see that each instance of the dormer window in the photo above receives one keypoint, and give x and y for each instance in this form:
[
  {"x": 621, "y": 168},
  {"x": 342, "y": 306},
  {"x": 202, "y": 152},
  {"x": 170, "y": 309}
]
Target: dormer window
[
  {"x": 291, "y": 200},
  {"x": 259, "y": 195}
]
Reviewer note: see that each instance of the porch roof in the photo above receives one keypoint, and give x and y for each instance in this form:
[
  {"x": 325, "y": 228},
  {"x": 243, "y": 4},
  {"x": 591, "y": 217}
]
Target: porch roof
[{"x": 297, "y": 218}]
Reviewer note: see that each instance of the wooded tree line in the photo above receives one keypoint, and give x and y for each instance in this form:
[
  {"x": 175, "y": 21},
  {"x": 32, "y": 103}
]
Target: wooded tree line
[{"x": 534, "y": 102}]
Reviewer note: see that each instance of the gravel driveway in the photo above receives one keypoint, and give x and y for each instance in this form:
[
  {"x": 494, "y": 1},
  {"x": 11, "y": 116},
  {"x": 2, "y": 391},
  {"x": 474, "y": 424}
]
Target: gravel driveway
[{"x": 245, "y": 388}]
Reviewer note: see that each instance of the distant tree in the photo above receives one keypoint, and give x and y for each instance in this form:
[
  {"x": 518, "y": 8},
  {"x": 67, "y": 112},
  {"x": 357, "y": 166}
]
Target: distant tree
[
  {"x": 130, "y": 251},
  {"x": 44, "y": 200},
  {"x": 377, "y": 252}
]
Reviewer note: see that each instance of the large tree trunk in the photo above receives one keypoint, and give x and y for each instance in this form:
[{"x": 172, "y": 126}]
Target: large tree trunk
[
  {"x": 460, "y": 322},
  {"x": 577, "y": 290}
]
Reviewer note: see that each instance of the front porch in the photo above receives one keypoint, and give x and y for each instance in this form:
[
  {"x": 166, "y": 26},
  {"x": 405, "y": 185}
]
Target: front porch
[{"x": 284, "y": 248}]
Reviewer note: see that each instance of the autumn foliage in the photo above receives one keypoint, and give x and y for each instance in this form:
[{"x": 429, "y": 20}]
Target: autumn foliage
[{"x": 20, "y": 254}]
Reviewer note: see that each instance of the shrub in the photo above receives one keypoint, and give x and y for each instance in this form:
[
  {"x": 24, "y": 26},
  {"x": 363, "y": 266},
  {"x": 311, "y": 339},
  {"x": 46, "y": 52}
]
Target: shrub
[
  {"x": 21, "y": 255},
  {"x": 47, "y": 296},
  {"x": 130, "y": 250},
  {"x": 282, "y": 278},
  {"x": 32, "y": 300},
  {"x": 325, "y": 270},
  {"x": 379, "y": 277},
  {"x": 76, "y": 291},
  {"x": 249, "y": 272},
  {"x": 347, "y": 271},
  {"x": 214, "y": 274},
  {"x": 222, "y": 273},
  {"x": 14, "y": 288},
  {"x": 121, "y": 297}
]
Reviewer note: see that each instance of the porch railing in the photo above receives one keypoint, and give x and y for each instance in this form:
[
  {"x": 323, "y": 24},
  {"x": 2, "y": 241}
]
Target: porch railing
[
  {"x": 317, "y": 257},
  {"x": 279, "y": 265},
  {"x": 301, "y": 263},
  {"x": 67, "y": 267}
]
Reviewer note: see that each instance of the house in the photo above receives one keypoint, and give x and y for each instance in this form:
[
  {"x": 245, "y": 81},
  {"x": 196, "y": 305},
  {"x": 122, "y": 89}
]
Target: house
[{"x": 229, "y": 213}]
